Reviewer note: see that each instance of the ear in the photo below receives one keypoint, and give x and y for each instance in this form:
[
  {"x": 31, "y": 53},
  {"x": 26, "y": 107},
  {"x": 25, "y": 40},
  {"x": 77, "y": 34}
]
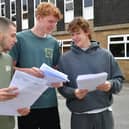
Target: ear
[{"x": 39, "y": 17}]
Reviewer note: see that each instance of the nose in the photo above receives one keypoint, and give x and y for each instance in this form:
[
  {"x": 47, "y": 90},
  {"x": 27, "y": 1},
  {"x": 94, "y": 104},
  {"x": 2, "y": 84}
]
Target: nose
[{"x": 14, "y": 41}]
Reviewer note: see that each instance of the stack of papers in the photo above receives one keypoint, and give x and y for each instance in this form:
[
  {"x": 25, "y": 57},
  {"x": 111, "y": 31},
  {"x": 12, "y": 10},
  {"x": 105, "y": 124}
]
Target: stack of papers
[
  {"x": 29, "y": 87},
  {"x": 52, "y": 75},
  {"x": 91, "y": 81}
]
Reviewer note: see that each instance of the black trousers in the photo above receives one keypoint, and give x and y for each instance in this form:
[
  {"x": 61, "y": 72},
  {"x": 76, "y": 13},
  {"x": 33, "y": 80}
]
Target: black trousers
[
  {"x": 103, "y": 120},
  {"x": 40, "y": 119}
]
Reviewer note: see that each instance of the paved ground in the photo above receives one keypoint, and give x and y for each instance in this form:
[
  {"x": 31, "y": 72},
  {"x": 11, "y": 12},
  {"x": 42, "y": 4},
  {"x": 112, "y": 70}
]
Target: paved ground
[{"x": 120, "y": 110}]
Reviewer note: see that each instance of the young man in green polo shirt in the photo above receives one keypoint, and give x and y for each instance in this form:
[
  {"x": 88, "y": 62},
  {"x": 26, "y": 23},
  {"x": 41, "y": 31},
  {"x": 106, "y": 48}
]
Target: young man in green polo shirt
[
  {"x": 7, "y": 40},
  {"x": 34, "y": 47}
]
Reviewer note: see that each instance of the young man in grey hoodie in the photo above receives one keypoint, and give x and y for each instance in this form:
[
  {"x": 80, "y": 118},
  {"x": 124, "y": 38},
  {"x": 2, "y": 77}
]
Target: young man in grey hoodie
[{"x": 90, "y": 110}]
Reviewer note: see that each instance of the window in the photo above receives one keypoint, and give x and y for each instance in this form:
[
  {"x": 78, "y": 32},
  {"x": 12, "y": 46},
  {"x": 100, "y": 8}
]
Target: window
[
  {"x": 87, "y": 3},
  {"x": 13, "y": 10},
  {"x": 24, "y": 13},
  {"x": 25, "y": 5},
  {"x": 68, "y": 10},
  {"x": 65, "y": 45},
  {"x": 52, "y": 1},
  {"x": 69, "y": 5},
  {"x": 37, "y": 2},
  {"x": 88, "y": 10},
  {"x": 119, "y": 46},
  {"x": 2, "y": 8}
]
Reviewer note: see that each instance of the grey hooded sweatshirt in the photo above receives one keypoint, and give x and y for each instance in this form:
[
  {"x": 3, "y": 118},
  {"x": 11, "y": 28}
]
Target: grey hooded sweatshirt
[{"x": 93, "y": 60}]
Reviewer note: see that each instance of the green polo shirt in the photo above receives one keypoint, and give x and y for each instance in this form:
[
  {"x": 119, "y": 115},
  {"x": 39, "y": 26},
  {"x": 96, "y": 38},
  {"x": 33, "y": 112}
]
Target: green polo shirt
[
  {"x": 32, "y": 51},
  {"x": 6, "y": 122}
]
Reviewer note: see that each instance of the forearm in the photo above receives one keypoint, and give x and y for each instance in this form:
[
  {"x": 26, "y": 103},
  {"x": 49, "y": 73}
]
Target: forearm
[
  {"x": 67, "y": 92},
  {"x": 116, "y": 85}
]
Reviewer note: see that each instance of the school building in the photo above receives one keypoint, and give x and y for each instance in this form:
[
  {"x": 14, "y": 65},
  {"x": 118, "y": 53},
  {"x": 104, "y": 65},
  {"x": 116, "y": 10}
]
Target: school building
[{"x": 109, "y": 20}]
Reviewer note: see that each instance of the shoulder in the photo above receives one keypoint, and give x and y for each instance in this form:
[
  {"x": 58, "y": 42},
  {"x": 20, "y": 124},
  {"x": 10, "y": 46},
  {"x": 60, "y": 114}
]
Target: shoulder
[
  {"x": 67, "y": 54},
  {"x": 6, "y": 56},
  {"x": 106, "y": 51},
  {"x": 53, "y": 40},
  {"x": 22, "y": 33},
  {"x": 50, "y": 37}
]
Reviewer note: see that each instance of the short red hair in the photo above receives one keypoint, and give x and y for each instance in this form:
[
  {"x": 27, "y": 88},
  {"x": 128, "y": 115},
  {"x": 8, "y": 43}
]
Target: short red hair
[{"x": 46, "y": 9}]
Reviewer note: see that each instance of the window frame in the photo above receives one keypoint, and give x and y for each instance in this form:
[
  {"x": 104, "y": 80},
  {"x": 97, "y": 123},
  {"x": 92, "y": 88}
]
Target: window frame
[
  {"x": 2, "y": 9},
  {"x": 64, "y": 45},
  {"x": 88, "y": 11},
  {"x": 125, "y": 41},
  {"x": 88, "y": 4}
]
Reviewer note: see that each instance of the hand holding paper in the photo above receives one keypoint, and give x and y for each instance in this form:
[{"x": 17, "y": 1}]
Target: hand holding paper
[
  {"x": 91, "y": 81},
  {"x": 29, "y": 88},
  {"x": 104, "y": 87},
  {"x": 52, "y": 75}
]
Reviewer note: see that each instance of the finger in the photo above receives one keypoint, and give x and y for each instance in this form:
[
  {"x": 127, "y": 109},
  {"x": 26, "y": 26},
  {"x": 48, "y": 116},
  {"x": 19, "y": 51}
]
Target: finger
[
  {"x": 23, "y": 111},
  {"x": 37, "y": 72}
]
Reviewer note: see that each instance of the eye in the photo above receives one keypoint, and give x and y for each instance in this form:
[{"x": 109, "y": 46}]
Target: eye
[{"x": 72, "y": 34}]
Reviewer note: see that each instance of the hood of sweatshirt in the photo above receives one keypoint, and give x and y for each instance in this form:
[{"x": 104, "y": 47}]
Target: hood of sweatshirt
[{"x": 94, "y": 45}]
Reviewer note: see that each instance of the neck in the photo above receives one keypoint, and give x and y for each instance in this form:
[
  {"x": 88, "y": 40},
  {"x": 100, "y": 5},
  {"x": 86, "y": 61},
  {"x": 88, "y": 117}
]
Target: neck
[
  {"x": 38, "y": 32},
  {"x": 87, "y": 44}
]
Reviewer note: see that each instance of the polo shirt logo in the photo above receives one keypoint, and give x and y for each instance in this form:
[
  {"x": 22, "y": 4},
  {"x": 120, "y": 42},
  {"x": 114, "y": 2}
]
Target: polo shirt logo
[
  {"x": 7, "y": 68},
  {"x": 48, "y": 53}
]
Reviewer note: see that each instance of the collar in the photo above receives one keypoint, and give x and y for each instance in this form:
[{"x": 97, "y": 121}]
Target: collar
[{"x": 0, "y": 53}]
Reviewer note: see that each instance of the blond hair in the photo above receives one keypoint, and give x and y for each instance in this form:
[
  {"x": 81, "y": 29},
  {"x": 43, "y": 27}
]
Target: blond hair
[{"x": 46, "y": 9}]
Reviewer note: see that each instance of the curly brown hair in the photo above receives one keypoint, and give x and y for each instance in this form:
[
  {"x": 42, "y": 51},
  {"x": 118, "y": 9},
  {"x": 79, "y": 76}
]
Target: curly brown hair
[{"x": 79, "y": 23}]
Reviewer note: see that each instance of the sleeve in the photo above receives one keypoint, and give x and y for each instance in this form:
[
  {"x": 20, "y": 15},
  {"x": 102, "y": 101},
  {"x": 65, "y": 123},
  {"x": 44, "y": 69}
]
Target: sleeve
[
  {"x": 15, "y": 52},
  {"x": 66, "y": 91},
  {"x": 56, "y": 54},
  {"x": 117, "y": 77}
]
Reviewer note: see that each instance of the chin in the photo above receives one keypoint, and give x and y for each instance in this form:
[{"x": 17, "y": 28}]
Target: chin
[{"x": 78, "y": 45}]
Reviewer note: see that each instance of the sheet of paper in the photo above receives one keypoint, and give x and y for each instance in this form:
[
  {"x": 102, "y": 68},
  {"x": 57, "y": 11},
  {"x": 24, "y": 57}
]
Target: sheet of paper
[
  {"x": 30, "y": 89},
  {"x": 91, "y": 81},
  {"x": 52, "y": 75}
]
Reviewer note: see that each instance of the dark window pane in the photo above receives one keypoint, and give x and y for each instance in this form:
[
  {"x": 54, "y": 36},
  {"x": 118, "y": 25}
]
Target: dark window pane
[
  {"x": 25, "y": 15},
  {"x": 69, "y": 6},
  {"x": 117, "y": 50},
  {"x": 87, "y": 3},
  {"x": 117, "y": 39},
  {"x": 24, "y": 5},
  {"x": 52, "y": 1},
  {"x": 13, "y": 7},
  {"x": 127, "y": 50},
  {"x": 128, "y": 38},
  {"x": 3, "y": 10},
  {"x": 14, "y": 18},
  {"x": 36, "y": 3}
]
